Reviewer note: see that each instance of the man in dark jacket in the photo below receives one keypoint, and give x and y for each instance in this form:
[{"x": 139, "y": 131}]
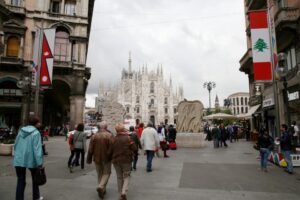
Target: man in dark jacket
[
  {"x": 265, "y": 144},
  {"x": 172, "y": 133},
  {"x": 99, "y": 151},
  {"x": 286, "y": 147},
  {"x": 123, "y": 149}
]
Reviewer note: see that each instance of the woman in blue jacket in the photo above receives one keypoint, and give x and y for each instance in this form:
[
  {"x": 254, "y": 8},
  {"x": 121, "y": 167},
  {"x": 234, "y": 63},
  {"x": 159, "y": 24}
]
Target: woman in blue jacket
[{"x": 28, "y": 154}]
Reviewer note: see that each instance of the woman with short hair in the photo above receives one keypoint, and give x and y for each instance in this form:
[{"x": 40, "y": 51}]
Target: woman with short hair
[
  {"x": 79, "y": 141},
  {"x": 28, "y": 154}
]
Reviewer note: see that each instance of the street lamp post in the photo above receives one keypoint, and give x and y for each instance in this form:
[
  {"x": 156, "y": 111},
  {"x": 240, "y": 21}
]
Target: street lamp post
[
  {"x": 25, "y": 84},
  {"x": 209, "y": 85},
  {"x": 282, "y": 72}
]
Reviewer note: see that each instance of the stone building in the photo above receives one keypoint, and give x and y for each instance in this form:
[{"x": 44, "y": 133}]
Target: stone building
[
  {"x": 286, "y": 14},
  {"x": 239, "y": 103},
  {"x": 20, "y": 19},
  {"x": 145, "y": 95}
]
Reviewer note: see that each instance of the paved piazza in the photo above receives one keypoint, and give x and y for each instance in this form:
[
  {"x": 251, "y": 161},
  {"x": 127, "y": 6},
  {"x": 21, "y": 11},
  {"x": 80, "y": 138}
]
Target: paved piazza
[{"x": 189, "y": 174}]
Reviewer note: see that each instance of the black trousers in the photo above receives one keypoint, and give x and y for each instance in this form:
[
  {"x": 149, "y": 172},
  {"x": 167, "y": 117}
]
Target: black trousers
[
  {"x": 71, "y": 158},
  {"x": 21, "y": 183},
  {"x": 79, "y": 153}
]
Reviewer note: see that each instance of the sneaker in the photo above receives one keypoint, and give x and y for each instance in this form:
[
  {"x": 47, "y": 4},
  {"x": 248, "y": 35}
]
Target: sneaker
[
  {"x": 166, "y": 156},
  {"x": 71, "y": 169},
  {"x": 41, "y": 198}
]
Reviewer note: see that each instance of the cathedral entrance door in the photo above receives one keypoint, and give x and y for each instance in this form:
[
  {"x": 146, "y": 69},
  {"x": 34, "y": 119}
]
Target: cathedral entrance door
[{"x": 152, "y": 119}]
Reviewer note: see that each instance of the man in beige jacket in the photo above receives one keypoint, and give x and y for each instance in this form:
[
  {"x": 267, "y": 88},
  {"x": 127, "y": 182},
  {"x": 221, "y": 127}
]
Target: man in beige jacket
[{"x": 100, "y": 152}]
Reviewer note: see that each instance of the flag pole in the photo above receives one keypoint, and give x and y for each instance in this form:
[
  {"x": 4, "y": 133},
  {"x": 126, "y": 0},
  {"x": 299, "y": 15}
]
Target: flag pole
[
  {"x": 272, "y": 35},
  {"x": 37, "y": 88}
]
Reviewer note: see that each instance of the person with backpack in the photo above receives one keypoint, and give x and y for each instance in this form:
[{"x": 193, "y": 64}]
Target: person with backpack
[
  {"x": 265, "y": 144},
  {"x": 134, "y": 137}
]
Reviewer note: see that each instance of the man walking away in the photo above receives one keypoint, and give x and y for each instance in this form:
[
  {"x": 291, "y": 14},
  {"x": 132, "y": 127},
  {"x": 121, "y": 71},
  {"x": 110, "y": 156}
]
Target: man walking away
[
  {"x": 100, "y": 152},
  {"x": 123, "y": 149},
  {"x": 265, "y": 143},
  {"x": 286, "y": 147},
  {"x": 150, "y": 143}
]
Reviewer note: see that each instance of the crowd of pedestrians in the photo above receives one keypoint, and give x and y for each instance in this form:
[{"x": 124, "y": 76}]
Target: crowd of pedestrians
[{"x": 121, "y": 151}]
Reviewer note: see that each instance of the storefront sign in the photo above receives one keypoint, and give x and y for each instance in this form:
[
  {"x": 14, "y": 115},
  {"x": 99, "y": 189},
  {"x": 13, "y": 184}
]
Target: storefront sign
[
  {"x": 293, "y": 96},
  {"x": 268, "y": 102}
]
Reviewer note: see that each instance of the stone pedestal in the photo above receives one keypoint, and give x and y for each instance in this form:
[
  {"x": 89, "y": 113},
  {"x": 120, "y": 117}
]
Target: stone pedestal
[{"x": 190, "y": 140}]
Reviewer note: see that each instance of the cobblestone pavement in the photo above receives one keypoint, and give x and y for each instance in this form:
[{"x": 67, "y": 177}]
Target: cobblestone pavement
[{"x": 189, "y": 174}]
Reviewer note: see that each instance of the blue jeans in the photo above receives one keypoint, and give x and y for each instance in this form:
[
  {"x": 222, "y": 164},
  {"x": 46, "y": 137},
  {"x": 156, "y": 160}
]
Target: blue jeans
[
  {"x": 21, "y": 183},
  {"x": 287, "y": 158},
  {"x": 150, "y": 155},
  {"x": 264, "y": 154}
]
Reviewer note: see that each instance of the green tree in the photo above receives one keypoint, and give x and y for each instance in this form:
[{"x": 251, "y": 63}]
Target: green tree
[{"x": 260, "y": 45}]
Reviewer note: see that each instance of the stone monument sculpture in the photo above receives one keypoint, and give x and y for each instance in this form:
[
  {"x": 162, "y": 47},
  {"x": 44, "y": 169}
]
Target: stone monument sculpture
[
  {"x": 112, "y": 113},
  {"x": 189, "y": 125},
  {"x": 190, "y": 116}
]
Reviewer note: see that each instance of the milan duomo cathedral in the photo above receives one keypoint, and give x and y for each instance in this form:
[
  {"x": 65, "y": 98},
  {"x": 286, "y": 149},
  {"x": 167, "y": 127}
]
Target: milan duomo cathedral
[{"x": 145, "y": 95}]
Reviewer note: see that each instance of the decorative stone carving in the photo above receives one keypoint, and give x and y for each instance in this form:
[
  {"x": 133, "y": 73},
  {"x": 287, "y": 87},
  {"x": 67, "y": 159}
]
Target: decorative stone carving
[{"x": 189, "y": 116}]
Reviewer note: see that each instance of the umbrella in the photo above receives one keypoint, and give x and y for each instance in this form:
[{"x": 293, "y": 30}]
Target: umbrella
[{"x": 219, "y": 116}]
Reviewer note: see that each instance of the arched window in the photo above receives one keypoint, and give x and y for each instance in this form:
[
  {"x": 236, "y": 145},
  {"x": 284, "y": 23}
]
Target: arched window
[
  {"x": 166, "y": 100},
  {"x": 13, "y": 45},
  {"x": 137, "y": 99},
  {"x": 242, "y": 110},
  {"x": 152, "y": 87},
  {"x": 62, "y": 43},
  {"x": 242, "y": 101}
]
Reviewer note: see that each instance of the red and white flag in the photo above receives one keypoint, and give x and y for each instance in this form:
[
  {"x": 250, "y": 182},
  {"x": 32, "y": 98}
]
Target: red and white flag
[
  {"x": 261, "y": 47},
  {"x": 47, "y": 58}
]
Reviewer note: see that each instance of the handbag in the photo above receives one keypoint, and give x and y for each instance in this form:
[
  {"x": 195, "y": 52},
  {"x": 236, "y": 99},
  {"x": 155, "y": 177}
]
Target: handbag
[{"x": 40, "y": 176}]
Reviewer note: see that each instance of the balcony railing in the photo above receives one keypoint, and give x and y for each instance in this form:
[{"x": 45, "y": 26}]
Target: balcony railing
[
  {"x": 16, "y": 8},
  {"x": 287, "y": 15},
  {"x": 11, "y": 60}
]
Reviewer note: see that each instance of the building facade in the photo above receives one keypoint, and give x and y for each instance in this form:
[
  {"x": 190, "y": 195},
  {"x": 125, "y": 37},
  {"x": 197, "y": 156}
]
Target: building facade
[
  {"x": 64, "y": 102},
  {"x": 286, "y": 14},
  {"x": 239, "y": 103},
  {"x": 145, "y": 95}
]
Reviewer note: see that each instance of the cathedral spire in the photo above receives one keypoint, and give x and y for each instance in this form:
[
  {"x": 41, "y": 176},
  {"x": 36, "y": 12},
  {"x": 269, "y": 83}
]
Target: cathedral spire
[
  {"x": 217, "y": 105},
  {"x": 171, "y": 81},
  {"x": 161, "y": 70},
  {"x": 129, "y": 63}
]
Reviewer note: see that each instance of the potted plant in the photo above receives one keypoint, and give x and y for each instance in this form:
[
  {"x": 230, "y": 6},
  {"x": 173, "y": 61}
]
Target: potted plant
[{"x": 6, "y": 147}]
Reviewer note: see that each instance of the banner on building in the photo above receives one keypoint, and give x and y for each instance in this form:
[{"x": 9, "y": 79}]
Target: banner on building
[
  {"x": 261, "y": 47},
  {"x": 47, "y": 58}
]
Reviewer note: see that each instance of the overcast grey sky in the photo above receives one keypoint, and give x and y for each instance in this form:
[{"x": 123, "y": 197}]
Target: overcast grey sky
[{"x": 195, "y": 41}]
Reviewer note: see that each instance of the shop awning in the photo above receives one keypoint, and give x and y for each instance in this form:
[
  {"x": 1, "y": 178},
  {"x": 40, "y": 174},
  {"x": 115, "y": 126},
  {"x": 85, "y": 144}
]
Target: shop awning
[{"x": 251, "y": 111}]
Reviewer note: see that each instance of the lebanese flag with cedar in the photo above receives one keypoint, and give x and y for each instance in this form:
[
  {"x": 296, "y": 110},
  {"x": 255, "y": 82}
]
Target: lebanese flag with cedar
[{"x": 261, "y": 47}]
